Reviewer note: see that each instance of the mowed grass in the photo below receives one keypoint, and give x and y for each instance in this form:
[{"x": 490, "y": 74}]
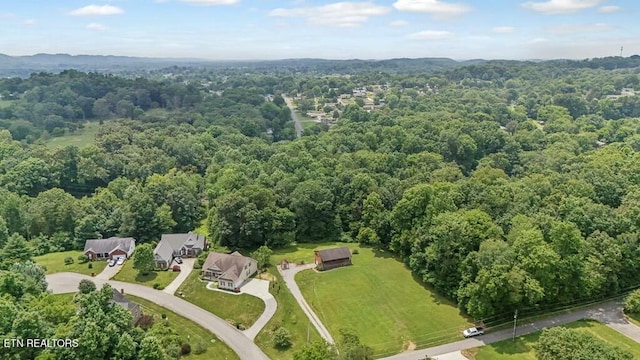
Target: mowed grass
[
  {"x": 288, "y": 315},
  {"x": 80, "y": 138},
  {"x": 236, "y": 309},
  {"x": 303, "y": 252},
  {"x": 382, "y": 302},
  {"x": 523, "y": 347},
  {"x": 216, "y": 349},
  {"x": 54, "y": 263},
  {"x": 131, "y": 275}
]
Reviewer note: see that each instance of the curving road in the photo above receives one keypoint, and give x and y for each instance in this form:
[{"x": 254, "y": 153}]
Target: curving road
[
  {"x": 61, "y": 283},
  {"x": 294, "y": 116},
  {"x": 289, "y": 279}
]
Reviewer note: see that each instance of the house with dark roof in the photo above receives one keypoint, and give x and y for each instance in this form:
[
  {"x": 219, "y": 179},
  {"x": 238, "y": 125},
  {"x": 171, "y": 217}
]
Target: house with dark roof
[
  {"x": 173, "y": 245},
  {"x": 111, "y": 248},
  {"x": 134, "y": 309},
  {"x": 231, "y": 271},
  {"x": 328, "y": 259}
]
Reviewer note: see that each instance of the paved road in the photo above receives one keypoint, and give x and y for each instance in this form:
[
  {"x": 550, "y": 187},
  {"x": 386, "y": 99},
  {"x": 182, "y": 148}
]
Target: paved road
[
  {"x": 294, "y": 116},
  {"x": 258, "y": 288},
  {"x": 289, "y": 279},
  {"x": 68, "y": 282},
  {"x": 609, "y": 313},
  {"x": 185, "y": 270}
]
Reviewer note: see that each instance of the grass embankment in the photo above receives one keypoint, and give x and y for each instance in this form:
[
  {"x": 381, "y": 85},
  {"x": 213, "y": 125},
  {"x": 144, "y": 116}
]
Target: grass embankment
[
  {"x": 237, "y": 309},
  {"x": 380, "y": 300},
  {"x": 216, "y": 349},
  {"x": 131, "y": 275},
  {"x": 522, "y": 348},
  {"x": 54, "y": 263},
  {"x": 288, "y": 315},
  {"x": 80, "y": 138}
]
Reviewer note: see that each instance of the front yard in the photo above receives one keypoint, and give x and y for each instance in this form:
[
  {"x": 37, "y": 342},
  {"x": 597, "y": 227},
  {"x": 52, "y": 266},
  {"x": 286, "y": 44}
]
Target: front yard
[
  {"x": 128, "y": 274},
  {"x": 381, "y": 301},
  {"x": 54, "y": 263},
  {"x": 237, "y": 309},
  {"x": 216, "y": 349}
]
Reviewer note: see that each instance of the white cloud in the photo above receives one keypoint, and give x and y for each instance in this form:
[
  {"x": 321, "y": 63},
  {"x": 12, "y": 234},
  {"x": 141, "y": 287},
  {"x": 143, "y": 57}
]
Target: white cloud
[
  {"x": 538, "y": 41},
  {"x": 560, "y": 6},
  {"x": 437, "y": 8},
  {"x": 578, "y": 28},
  {"x": 398, "y": 23},
  {"x": 341, "y": 14},
  {"x": 608, "y": 9},
  {"x": 503, "y": 29},
  {"x": 97, "y": 27},
  {"x": 97, "y": 10},
  {"x": 30, "y": 22},
  {"x": 430, "y": 35},
  {"x": 211, "y": 2}
]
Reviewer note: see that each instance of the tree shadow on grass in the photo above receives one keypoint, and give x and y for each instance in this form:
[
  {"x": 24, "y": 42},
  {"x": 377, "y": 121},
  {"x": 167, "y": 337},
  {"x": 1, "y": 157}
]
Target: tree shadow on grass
[
  {"x": 521, "y": 346},
  {"x": 148, "y": 277}
]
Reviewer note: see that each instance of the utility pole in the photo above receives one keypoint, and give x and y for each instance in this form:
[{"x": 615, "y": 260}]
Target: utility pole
[{"x": 515, "y": 322}]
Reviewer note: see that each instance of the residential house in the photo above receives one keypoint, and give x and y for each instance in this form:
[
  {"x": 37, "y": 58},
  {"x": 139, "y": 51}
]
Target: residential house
[
  {"x": 111, "y": 248},
  {"x": 328, "y": 259},
  {"x": 173, "y": 245},
  {"x": 135, "y": 309},
  {"x": 231, "y": 271}
]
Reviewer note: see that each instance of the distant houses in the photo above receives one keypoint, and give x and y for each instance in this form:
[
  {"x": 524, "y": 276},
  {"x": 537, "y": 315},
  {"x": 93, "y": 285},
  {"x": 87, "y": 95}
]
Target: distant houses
[
  {"x": 171, "y": 246},
  {"x": 111, "y": 248},
  {"x": 133, "y": 308}
]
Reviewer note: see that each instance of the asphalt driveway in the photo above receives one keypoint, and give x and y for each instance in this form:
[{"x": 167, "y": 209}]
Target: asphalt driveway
[{"x": 61, "y": 283}]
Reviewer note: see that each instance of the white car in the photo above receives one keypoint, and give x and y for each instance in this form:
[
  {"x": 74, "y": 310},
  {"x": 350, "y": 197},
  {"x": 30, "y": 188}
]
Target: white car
[
  {"x": 112, "y": 262},
  {"x": 120, "y": 261},
  {"x": 471, "y": 332}
]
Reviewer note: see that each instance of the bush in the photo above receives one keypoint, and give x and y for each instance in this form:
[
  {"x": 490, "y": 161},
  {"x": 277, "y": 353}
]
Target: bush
[
  {"x": 145, "y": 322},
  {"x": 281, "y": 338},
  {"x": 86, "y": 286},
  {"x": 90, "y": 266},
  {"x": 632, "y": 303},
  {"x": 157, "y": 286},
  {"x": 355, "y": 252},
  {"x": 185, "y": 349},
  {"x": 200, "y": 348},
  {"x": 83, "y": 259},
  {"x": 68, "y": 260},
  {"x": 164, "y": 316}
]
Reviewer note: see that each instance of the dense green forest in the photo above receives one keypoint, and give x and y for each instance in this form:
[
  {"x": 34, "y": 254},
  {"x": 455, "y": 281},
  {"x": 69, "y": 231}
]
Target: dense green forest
[{"x": 504, "y": 185}]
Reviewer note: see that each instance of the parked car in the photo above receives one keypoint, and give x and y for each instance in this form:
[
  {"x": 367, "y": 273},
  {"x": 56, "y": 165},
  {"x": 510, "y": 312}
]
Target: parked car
[
  {"x": 112, "y": 262},
  {"x": 120, "y": 261},
  {"x": 471, "y": 332},
  {"x": 179, "y": 260}
]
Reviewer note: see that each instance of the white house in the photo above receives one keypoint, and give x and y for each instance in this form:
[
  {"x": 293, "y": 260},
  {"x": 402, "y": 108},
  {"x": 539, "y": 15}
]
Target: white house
[{"x": 231, "y": 271}]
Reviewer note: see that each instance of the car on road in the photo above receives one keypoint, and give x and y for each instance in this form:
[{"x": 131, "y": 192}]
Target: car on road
[
  {"x": 471, "y": 332},
  {"x": 112, "y": 262},
  {"x": 120, "y": 261},
  {"x": 179, "y": 260}
]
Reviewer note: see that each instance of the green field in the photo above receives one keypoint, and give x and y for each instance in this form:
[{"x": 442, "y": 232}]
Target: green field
[
  {"x": 216, "y": 349},
  {"x": 81, "y": 138},
  {"x": 54, "y": 263},
  {"x": 296, "y": 253},
  {"x": 237, "y": 309},
  {"x": 522, "y": 348},
  {"x": 381, "y": 301},
  {"x": 288, "y": 315},
  {"x": 129, "y": 274}
]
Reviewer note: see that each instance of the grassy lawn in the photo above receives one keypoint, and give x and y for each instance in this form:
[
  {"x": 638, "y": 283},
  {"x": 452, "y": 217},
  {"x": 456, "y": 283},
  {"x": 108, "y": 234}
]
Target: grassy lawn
[
  {"x": 522, "y": 348},
  {"x": 288, "y": 315},
  {"x": 81, "y": 138},
  {"x": 237, "y": 309},
  {"x": 216, "y": 349},
  {"x": 54, "y": 263},
  {"x": 296, "y": 253},
  {"x": 381, "y": 301},
  {"x": 129, "y": 274}
]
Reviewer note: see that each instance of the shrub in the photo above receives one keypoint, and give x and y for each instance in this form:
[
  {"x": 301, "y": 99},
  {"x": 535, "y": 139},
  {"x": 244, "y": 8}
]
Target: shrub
[
  {"x": 185, "y": 349},
  {"x": 158, "y": 286},
  {"x": 281, "y": 338},
  {"x": 83, "y": 259},
  {"x": 632, "y": 303},
  {"x": 200, "y": 348},
  {"x": 145, "y": 322},
  {"x": 355, "y": 252},
  {"x": 90, "y": 266},
  {"x": 86, "y": 286},
  {"x": 164, "y": 316},
  {"x": 68, "y": 260}
]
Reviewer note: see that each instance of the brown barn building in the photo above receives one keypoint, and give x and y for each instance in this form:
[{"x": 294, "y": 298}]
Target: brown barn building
[{"x": 328, "y": 259}]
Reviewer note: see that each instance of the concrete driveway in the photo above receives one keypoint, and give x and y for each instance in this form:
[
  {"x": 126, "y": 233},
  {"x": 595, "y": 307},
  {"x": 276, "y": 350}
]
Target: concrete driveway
[
  {"x": 185, "y": 269},
  {"x": 258, "y": 288},
  {"x": 61, "y": 283},
  {"x": 109, "y": 271},
  {"x": 289, "y": 279}
]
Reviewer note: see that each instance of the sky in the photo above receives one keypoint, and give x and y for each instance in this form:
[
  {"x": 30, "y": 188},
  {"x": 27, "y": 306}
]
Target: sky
[{"x": 282, "y": 29}]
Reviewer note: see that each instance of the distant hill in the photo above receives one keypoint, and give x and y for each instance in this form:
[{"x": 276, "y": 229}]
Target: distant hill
[{"x": 23, "y": 66}]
